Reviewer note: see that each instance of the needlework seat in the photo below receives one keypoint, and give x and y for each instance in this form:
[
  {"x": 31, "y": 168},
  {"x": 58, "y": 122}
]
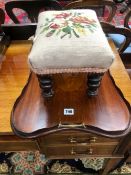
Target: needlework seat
[{"x": 70, "y": 41}]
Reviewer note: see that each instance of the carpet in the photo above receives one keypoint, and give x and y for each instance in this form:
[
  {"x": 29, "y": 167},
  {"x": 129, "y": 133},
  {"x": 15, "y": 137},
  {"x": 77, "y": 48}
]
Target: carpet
[{"x": 33, "y": 163}]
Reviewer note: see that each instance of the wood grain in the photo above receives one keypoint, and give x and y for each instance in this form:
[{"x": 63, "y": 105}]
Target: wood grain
[
  {"x": 120, "y": 75},
  {"x": 14, "y": 143},
  {"x": 14, "y": 75},
  {"x": 34, "y": 115}
]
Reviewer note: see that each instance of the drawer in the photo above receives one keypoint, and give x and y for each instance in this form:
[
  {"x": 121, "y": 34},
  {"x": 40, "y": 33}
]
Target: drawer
[
  {"x": 13, "y": 143},
  {"x": 76, "y": 137},
  {"x": 78, "y": 151},
  {"x": 18, "y": 146}
]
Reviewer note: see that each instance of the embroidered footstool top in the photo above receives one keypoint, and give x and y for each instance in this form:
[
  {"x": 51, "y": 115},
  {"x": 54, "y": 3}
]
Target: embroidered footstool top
[{"x": 69, "y": 41}]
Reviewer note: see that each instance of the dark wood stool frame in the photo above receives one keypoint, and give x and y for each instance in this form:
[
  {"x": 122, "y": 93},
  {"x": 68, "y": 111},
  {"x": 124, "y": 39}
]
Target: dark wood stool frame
[
  {"x": 46, "y": 85},
  {"x": 93, "y": 83}
]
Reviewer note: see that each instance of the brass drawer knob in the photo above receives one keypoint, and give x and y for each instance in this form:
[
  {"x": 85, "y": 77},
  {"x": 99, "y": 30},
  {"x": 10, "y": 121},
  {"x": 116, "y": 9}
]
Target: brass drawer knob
[
  {"x": 73, "y": 152},
  {"x": 72, "y": 140},
  {"x": 90, "y": 151},
  {"x": 92, "y": 139}
]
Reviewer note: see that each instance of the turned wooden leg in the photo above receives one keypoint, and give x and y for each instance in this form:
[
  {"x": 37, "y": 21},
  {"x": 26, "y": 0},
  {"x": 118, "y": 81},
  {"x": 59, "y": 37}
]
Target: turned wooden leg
[
  {"x": 45, "y": 83},
  {"x": 93, "y": 83},
  {"x": 110, "y": 165}
]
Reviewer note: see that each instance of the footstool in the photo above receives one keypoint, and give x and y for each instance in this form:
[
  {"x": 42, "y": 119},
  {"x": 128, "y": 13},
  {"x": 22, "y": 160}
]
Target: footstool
[{"x": 69, "y": 41}]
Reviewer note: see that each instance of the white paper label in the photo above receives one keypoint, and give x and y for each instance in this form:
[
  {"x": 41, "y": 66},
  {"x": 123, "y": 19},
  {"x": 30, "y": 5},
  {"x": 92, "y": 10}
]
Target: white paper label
[{"x": 68, "y": 111}]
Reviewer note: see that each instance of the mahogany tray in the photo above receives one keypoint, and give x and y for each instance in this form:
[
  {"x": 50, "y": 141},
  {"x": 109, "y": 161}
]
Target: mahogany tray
[{"x": 70, "y": 108}]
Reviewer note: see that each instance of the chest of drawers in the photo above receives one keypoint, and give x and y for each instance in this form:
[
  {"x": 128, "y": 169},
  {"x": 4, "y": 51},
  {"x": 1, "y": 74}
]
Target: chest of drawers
[{"x": 74, "y": 144}]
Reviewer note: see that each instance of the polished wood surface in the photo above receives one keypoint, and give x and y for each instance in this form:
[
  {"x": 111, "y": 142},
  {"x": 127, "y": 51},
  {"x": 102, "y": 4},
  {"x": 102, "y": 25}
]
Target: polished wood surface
[
  {"x": 14, "y": 75},
  {"x": 14, "y": 143},
  {"x": 34, "y": 115},
  {"x": 120, "y": 76},
  {"x": 72, "y": 144},
  {"x": 40, "y": 111}
]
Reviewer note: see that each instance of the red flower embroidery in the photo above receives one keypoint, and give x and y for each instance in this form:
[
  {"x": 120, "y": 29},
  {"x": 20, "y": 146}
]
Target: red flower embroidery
[
  {"x": 80, "y": 19},
  {"x": 63, "y": 15},
  {"x": 54, "y": 26},
  {"x": 69, "y": 24}
]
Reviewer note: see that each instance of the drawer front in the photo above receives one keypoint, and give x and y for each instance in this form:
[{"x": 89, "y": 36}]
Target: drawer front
[
  {"x": 18, "y": 146},
  {"x": 78, "y": 151},
  {"x": 14, "y": 143},
  {"x": 76, "y": 137}
]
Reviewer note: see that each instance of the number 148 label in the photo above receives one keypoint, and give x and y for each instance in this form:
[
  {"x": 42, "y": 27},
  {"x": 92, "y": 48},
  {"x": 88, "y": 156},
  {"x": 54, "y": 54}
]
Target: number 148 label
[{"x": 68, "y": 111}]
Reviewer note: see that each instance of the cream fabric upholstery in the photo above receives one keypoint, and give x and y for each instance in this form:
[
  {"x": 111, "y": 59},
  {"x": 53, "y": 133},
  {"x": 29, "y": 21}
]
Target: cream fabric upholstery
[{"x": 69, "y": 41}]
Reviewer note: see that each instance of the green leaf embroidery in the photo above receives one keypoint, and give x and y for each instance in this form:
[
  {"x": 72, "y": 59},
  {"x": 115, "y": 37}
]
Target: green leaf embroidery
[
  {"x": 91, "y": 29},
  {"x": 75, "y": 33},
  {"x": 64, "y": 35},
  {"x": 46, "y": 28},
  {"x": 50, "y": 33},
  {"x": 95, "y": 25},
  {"x": 67, "y": 29}
]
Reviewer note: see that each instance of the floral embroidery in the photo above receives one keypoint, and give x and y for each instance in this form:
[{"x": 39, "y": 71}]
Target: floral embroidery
[{"x": 68, "y": 24}]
